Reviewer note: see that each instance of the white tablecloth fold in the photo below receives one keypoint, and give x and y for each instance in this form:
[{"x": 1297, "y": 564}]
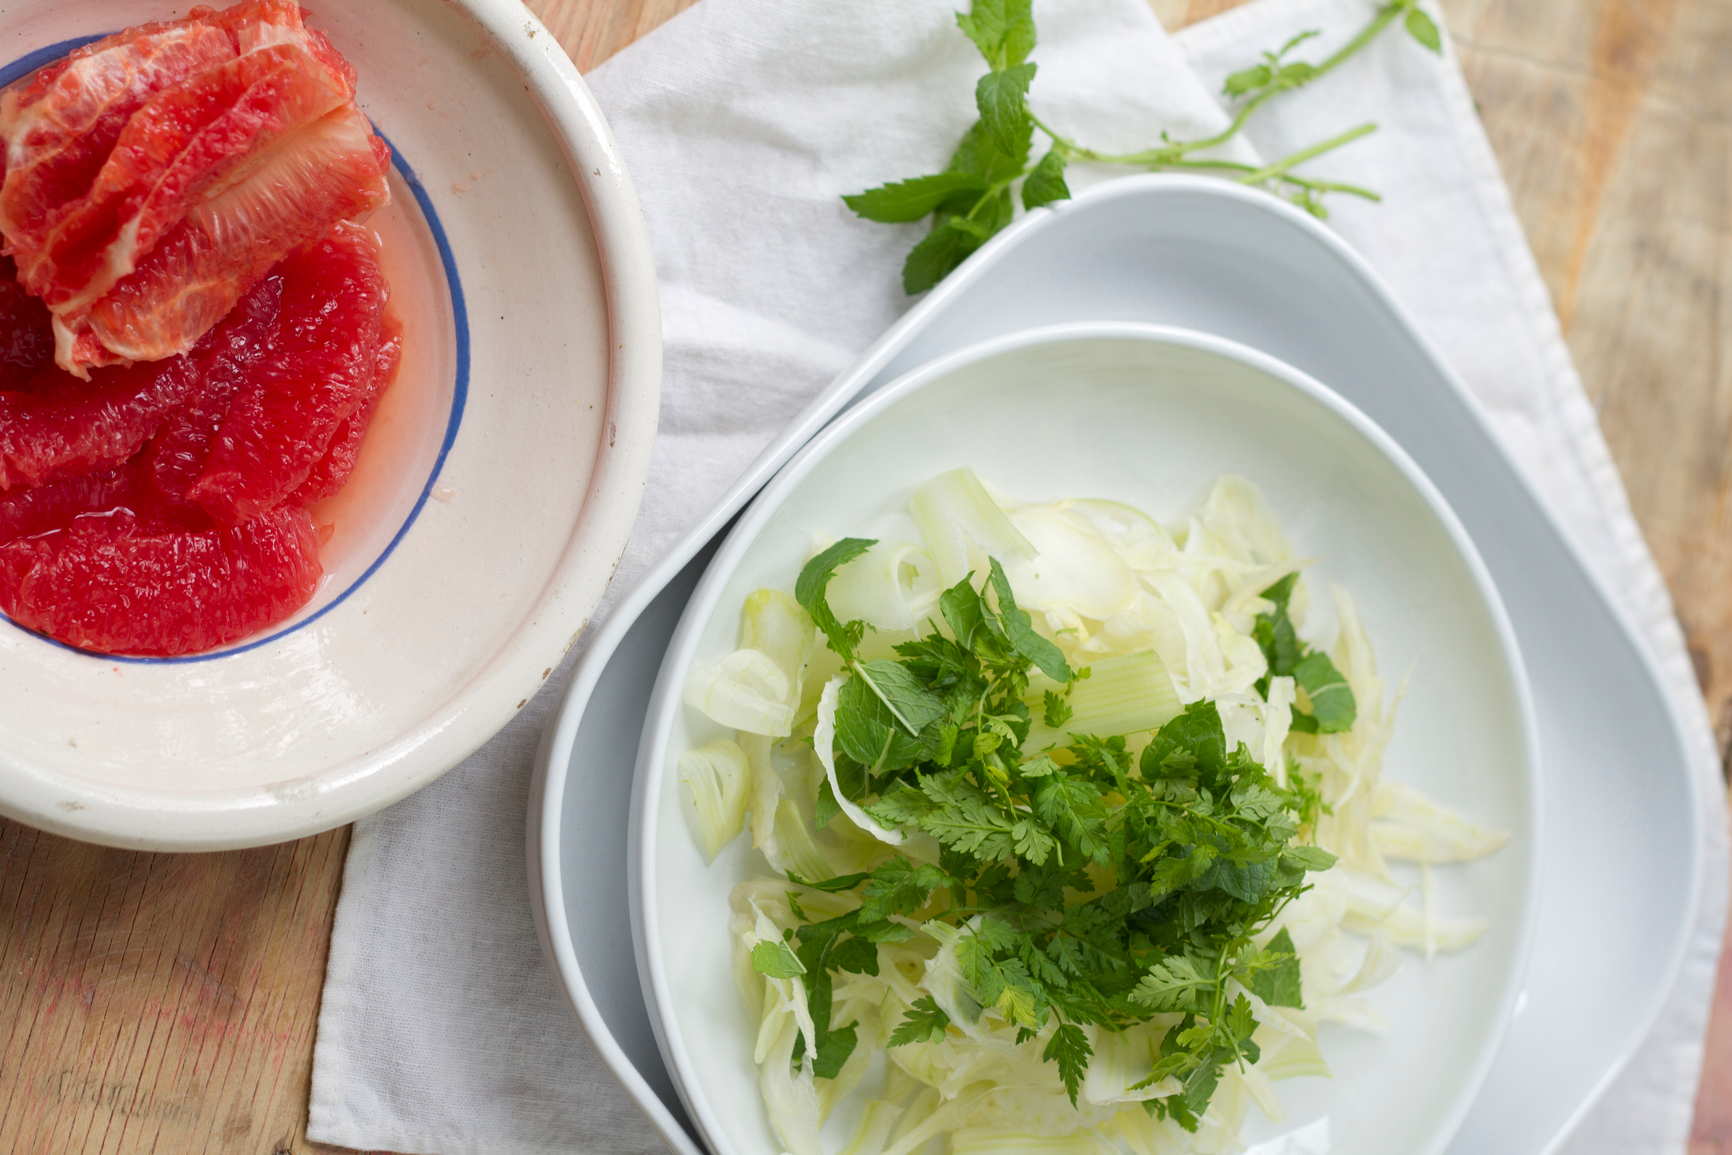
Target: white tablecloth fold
[{"x": 442, "y": 1031}]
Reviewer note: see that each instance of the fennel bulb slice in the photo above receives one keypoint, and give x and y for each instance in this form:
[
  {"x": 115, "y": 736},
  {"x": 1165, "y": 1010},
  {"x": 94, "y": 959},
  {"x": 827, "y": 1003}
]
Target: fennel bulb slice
[{"x": 963, "y": 526}]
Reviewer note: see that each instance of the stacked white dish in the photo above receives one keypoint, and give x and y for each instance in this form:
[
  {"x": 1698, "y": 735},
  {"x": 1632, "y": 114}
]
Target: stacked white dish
[{"x": 1206, "y": 256}]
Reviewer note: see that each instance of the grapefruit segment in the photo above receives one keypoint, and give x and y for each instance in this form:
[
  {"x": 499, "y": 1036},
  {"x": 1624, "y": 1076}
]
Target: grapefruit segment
[
  {"x": 318, "y": 368},
  {"x": 113, "y": 584},
  {"x": 175, "y": 458},
  {"x": 184, "y": 142},
  {"x": 151, "y": 179},
  {"x": 59, "y": 426},
  {"x": 26, "y": 334},
  {"x": 60, "y": 123},
  {"x": 325, "y": 173},
  {"x": 333, "y": 469}
]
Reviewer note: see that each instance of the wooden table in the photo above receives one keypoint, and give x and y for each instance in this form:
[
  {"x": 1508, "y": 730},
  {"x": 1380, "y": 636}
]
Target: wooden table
[{"x": 167, "y": 1003}]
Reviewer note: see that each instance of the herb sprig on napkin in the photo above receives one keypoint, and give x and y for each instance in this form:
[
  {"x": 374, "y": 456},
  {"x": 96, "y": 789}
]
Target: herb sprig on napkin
[{"x": 972, "y": 199}]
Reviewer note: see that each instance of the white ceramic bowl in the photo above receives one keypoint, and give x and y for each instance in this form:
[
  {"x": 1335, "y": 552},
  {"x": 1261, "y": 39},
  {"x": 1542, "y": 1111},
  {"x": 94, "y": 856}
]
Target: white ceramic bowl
[
  {"x": 1147, "y": 415},
  {"x": 493, "y": 496}
]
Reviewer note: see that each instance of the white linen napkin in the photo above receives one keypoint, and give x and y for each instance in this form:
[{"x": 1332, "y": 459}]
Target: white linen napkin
[{"x": 442, "y": 1031}]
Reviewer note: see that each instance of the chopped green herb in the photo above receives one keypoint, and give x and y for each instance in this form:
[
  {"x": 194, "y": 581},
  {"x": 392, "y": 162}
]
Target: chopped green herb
[
  {"x": 1089, "y": 884},
  {"x": 1332, "y": 705}
]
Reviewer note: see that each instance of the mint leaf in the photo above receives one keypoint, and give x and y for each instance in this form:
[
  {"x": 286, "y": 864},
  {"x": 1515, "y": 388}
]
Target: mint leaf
[
  {"x": 1331, "y": 697},
  {"x": 868, "y": 733},
  {"x": 1422, "y": 29},
  {"x": 1307, "y": 858},
  {"x": 831, "y": 885},
  {"x": 1192, "y": 742},
  {"x": 815, "y": 578},
  {"x": 910, "y": 200},
  {"x": 1275, "y": 636},
  {"x": 1002, "y": 98},
  {"x": 978, "y": 156},
  {"x": 1045, "y": 183},
  {"x": 776, "y": 958},
  {"x": 913, "y": 704},
  {"x": 1278, "y": 982},
  {"x": 834, "y": 1048},
  {"x": 1332, "y": 706},
  {"x": 856, "y": 955},
  {"x": 1022, "y": 637},
  {"x": 1003, "y": 30},
  {"x": 940, "y": 252},
  {"x": 924, "y": 1023}
]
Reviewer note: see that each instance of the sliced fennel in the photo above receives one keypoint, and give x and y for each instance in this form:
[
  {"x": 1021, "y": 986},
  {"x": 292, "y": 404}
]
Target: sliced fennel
[
  {"x": 963, "y": 526},
  {"x": 712, "y": 784},
  {"x": 746, "y": 690},
  {"x": 1129, "y": 694},
  {"x": 1167, "y": 624},
  {"x": 757, "y": 688}
]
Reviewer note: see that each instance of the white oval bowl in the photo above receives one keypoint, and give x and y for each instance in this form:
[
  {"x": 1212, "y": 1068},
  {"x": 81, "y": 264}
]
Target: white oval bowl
[
  {"x": 494, "y": 493},
  {"x": 1147, "y": 415}
]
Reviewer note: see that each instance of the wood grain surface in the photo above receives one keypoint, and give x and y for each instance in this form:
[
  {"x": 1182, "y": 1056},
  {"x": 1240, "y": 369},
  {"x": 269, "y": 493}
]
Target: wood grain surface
[{"x": 167, "y": 1003}]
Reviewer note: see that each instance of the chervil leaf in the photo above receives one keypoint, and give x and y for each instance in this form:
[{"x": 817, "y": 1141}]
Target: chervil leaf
[
  {"x": 971, "y": 825},
  {"x": 1003, "y": 30},
  {"x": 815, "y": 578},
  {"x": 1238, "y": 1024},
  {"x": 1039, "y": 767},
  {"x": 1276, "y": 979},
  {"x": 1258, "y": 803},
  {"x": 899, "y": 887},
  {"x": 1017, "y": 629},
  {"x": 1200, "y": 1087},
  {"x": 1422, "y": 29},
  {"x": 923, "y": 1023},
  {"x": 1002, "y": 98},
  {"x": 901, "y": 805},
  {"x": 910, "y": 200},
  {"x": 776, "y": 958},
  {"x": 1069, "y": 1048},
  {"x": 1032, "y": 840},
  {"x": 1074, "y": 809},
  {"x": 1171, "y": 985}
]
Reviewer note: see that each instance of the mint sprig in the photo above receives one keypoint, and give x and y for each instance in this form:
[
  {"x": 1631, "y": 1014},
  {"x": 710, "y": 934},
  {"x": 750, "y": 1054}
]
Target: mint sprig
[{"x": 971, "y": 200}]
